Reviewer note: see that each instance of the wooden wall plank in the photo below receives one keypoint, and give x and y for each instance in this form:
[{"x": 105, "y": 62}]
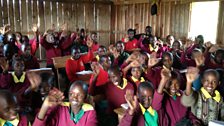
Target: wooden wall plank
[
  {"x": 60, "y": 14},
  {"x": 89, "y": 17},
  {"x": 1, "y": 9},
  {"x": 54, "y": 14},
  {"x": 47, "y": 15},
  {"x": 5, "y": 12},
  {"x": 74, "y": 16},
  {"x": 41, "y": 16},
  {"x": 11, "y": 14},
  {"x": 17, "y": 18},
  {"x": 30, "y": 20},
  {"x": 34, "y": 12},
  {"x": 24, "y": 16},
  {"x": 80, "y": 15}
]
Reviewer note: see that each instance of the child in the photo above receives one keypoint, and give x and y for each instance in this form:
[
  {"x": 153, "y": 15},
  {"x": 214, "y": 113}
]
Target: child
[
  {"x": 130, "y": 43},
  {"x": 154, "y": 73},
  {"x": 101, "y": 69},
  {"x": 76, "y": 63},
  {"x": 140, "y": 112},
  {"x": 167, "y": 100},
  {"x": 113, "y": 92},
  {"x": 30, "y": 61},
  {"x": 9, "y": 110},
  {"x": 17, "y": 81},
  {"x": 119, "y": 54},
  {"x": 207, "y": 103},
  {"x": 75, "y": 113}
]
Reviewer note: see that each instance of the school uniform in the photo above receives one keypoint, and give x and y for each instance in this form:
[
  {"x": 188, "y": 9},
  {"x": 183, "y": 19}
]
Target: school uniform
[
  {"x": 62, "y": 115},
  {"x": 170, "y": 108},
  {"x": 135, "y": 82},
  {"x": 17, "y": 86},
  {"x": 141, "y": 117},
  {"x": 120, "y": 60},
  {"x": 20, "y": 120},
  {"x": 204, "y": 106},
  {"x": 102, "y": 78},
  {"x": 34, "y": 44},
  {"x": 72, "y": 66},
  {"x": 130, "y": 45}
]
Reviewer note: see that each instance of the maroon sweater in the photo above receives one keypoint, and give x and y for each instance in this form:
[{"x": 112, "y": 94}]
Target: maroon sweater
[
  {"x": 32, "y": 63},
  {"x": 7, "y": 82}
]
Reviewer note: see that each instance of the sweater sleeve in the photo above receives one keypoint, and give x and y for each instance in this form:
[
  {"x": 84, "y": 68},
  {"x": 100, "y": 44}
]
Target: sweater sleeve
[
  {"x": 5, "y": 80},
  {"x": 126, "y": 120},
  {"x": 190, "y": 100},
  {"x": 157, "y": 101}
]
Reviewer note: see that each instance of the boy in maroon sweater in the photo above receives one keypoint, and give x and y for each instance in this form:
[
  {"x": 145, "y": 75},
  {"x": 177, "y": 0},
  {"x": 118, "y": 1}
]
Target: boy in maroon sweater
[
  {"x": 140, "y": 112},
  {"x": 9, "y": 110}
]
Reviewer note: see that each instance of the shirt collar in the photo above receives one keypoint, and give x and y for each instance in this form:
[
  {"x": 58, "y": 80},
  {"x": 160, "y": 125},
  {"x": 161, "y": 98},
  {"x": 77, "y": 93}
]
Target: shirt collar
[
  {"x": 150, "y": 110},
  {"x": 15, "y": 122},
  {"x": 153, "y": 49},
  {"x": 16, "y": 80},
  {"x": 136, "y": 80},
  {"x": 125, "y": 83},
  {"x": 217, "y": 97}
]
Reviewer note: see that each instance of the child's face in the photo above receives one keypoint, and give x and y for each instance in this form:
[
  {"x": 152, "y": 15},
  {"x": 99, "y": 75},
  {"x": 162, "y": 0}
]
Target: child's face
[
  {"x": 120, "y": 47},
  {"x": 8, "y": 109},
  {"x": 94, "y": 37},
  {"x": 210, "y": 82},
  {"x": 76, "y": 96},
  {"x": 26, "y": 50},
  {"x": 101, "y": 51},
  {"x": 219, "y": 58},
  {"x": 176, "y": 45},
  {"x": 114, "y": 77},
  {"x": 174, "y": 87},
  {"x": 19, "y": 67},
  {"x": 145, "y": 97},
  {"x": 76, "y": 54},
  {"x": 131, "y": 34},
  {"x": 136, "y": 72},
  {"x": 106, "y": 62},
  {"x": 167, "y": 61},
  {"x": 45, "y": 88}
]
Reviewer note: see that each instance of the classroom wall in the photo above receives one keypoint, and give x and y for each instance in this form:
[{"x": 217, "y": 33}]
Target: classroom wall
[
  {"x": 92, "y": 14},
  {"x": 172, "y": 18}
]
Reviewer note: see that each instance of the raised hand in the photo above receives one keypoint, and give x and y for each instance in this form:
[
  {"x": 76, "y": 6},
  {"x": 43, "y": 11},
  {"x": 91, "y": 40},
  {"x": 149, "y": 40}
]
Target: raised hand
[
  {"x": 34, "y": 79},
  {"x": 133, "y": 56},
  {"x": 35, "y": 28},
  {"x": 165, "y": 77},
  {"x": 208, "y": 44},
  {"x": 200, "y": 60},
  {"x": 54, "y": 98},
  {"x": 213, "y": 48},
  {"x": 131, "y": 100},
  {"x": 152, "y": 61},
  {"x": 135, "y": 63},
  {"x": 4, "y": 64},
  {"x": 192, "y": 74},
  {"x": 5, "y": 29}
]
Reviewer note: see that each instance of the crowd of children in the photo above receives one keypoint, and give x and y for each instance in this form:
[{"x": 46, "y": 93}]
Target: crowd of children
[{"x": 164, "y": 83}]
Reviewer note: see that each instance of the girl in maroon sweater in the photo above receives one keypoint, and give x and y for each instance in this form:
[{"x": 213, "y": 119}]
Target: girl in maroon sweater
[{"x": 167, "y": 101}]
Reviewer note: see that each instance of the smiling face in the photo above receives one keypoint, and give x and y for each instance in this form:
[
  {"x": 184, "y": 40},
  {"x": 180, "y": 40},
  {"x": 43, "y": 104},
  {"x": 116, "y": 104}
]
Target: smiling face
[
  {"x": 167, "y": 60},
  {"x": 145, "y": 96},
  {"x": 210, "y": 81},
  {"x": 114, "y": 77},
  {"x": 76, "y": 96},
  {"x": 174, "y": 87},
  {"x": 8, "y": 107},
  {"x": 136, "y": 72},
  {"x": 18, "y": 67}
]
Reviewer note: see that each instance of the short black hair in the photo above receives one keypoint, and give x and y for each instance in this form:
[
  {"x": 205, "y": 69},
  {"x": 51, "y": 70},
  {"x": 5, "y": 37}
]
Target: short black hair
[
  {"x": 82, "y": 84},
  {"x": 7, "y": 95},
  {"x": 115, "y": 69},
  {"x": 131, "y": 30},
  {"x": 119, "y": 42},
  {"x": 145, "y": 85},
  {"x": 101, "y": 58},
  {"x": 17, "y": 58},
  {"x": 213, "y": 72}
]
